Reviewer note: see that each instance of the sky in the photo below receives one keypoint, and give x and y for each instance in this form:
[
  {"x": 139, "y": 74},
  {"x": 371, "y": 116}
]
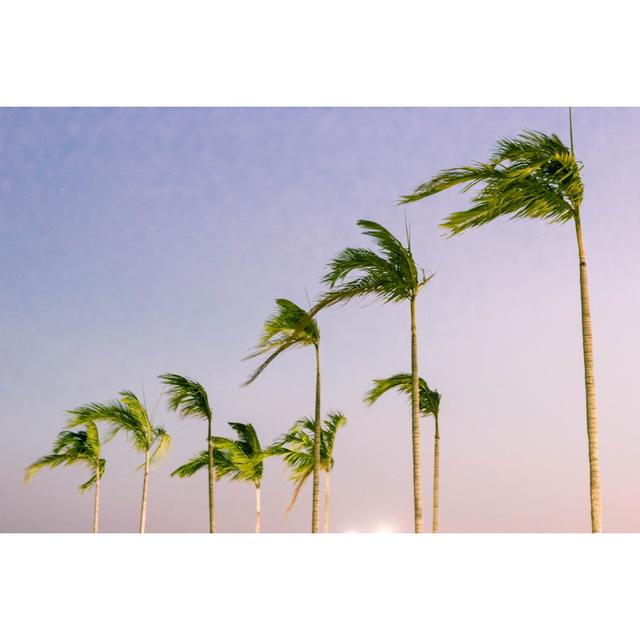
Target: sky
[{"x": 135, "y": 242}]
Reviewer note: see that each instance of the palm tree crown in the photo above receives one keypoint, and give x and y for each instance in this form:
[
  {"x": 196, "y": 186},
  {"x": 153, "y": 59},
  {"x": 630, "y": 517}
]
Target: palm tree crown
[
  {"x": 73, "y": 447},
  {"x": 289, "y": 326},
  {"x": 127, "y": 415},
  {"x": 297, "y": 448},
  {"x": 533, "y": 175},
  {"x": 187, "y": 397},
  {"x": 389, "y": 276},
  {"x": 239, "y": 459},
  {"x": 401, "y": 382}
]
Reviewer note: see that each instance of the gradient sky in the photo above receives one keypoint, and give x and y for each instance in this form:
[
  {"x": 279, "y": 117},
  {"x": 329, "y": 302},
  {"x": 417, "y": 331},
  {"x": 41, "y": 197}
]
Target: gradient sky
[{"x": 139, "y": 241}]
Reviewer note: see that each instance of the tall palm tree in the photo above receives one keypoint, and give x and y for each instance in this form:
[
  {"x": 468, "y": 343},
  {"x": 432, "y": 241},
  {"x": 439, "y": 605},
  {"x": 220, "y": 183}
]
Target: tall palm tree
[
  {"x": 429, "y": 406},
  {"x": 534, "y": 176},
  {"x": 388, "y": 275},
  {"x": 297, "y": 448},
  {"x": 287, "y": 328},
  {"x": 73, "y": 447},
  {"x": 129, "y": 416},
  {"x": 240, "y": 459},
  {"x": 189, "y": 398}
]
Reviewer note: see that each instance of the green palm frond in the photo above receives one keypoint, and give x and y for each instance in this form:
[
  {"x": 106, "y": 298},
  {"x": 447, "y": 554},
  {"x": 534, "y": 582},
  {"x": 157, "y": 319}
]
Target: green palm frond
[
  {"x": 247, "y": 438},
  {"x": 533, "y": 175},
  {"x": 289, "y": 326},
  {"x": 241, "y": 459},
  {"x": 85, "y": 486},
  {"x": 389, "y": 275},
  {"x": 72, "y": 447},
  {"x": 187, "y": 397},
  {"x": 162, "y": 442},
  {"x": 296, "y": 448},
  {"x": 127, "y": 415},
  {"x": 334, "y": 421},
  {"x": 401, "y": 383},
  {"x": 199, "y": 461}
]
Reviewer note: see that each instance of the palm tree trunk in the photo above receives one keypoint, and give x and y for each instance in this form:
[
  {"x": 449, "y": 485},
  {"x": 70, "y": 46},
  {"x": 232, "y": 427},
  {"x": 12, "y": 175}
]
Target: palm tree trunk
[
  {"x": 96, "y": 506},
  {"x": 326, "y": 501},
  {"x": 415, "y": 425},
  {"x": 315, "y": 513},
  {"x": 145, "y": 484},
  {"x": 258, "y": 509},
  {"x": 590, "y": 387},
  {"x": 436, "y": 479},
  {"x": 212, "y": 522}
]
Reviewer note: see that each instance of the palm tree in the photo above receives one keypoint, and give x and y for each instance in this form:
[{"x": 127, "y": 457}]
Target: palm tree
[
  {"x": 389, "y": 275},
  {"x": 297, "y": 447},
  {"x": 239, "y": 459},
  {"x": 189, "y": 398},
  {"x": 128, "y": 415},
  {"x": 73, "y": 447},
  {"x": 534, "y": 176},
  {"x": 292, "y": 327},
  {"x": 429, "y": 406}
]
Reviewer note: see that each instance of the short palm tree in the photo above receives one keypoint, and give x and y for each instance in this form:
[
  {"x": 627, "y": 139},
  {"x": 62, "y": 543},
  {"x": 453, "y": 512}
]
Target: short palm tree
[
  {"x": 533, "y": 176},
  {"x": 74, "y": 447},
  {"x": 429, "y": 406},
  {"x": 129, "y": 416},
  {"x": 287, "y": 328},
  {"x": 189, "y": 398},
  {"x": 297, "y": 448},
  {"x": 240, "y": 459},
  {"x": 388, "y": 275}
]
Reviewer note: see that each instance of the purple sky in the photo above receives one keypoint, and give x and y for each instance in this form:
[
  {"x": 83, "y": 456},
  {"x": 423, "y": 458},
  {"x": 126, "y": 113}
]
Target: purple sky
[{"x": 139, "y": 241}]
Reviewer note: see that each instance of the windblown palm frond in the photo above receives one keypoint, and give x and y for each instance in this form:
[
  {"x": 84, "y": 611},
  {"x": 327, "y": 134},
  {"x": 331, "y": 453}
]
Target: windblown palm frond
[
  {"x": 127, "y": 415},
  {"x": 401, "y": 382},
  {"x": 72, "y": 447},
  {"x": 288, "y": 327},
  {"x": 296, "y": 447},
  {"x": 187, "y": 397},
  {"x": 240, "y": 459},
  {"x": 199, "y": 461},
  {"x": 391, "y": 275},
  {"x": 533, "y": 175},
  {"x": 161, "y": 441}
]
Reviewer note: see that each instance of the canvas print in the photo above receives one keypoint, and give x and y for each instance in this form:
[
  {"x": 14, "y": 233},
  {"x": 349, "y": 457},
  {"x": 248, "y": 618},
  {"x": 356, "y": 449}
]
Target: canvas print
[{"x": 323, "y": 320}]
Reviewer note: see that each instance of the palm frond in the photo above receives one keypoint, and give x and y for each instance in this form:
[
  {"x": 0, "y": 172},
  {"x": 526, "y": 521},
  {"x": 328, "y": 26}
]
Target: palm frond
[
  {"x": 194, "y": 464},
  {"x": 162, "y": 442},
  {"x": 533, "y": 175},
  {"x": 296, "y": 448},
  {"x": 187, "y": 397},
  {"x": 402, "y": 383},
  {"x": 390, "y": 275},
  {"x": 297, "y": 488},
  {"x": 72, "y": 447},
  {"x": 127, "y": 415},
  {"x": 289, "y": 326}
]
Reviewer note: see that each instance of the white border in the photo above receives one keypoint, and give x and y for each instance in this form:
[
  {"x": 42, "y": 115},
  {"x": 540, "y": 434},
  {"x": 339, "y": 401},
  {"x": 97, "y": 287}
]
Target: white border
[
  {"x": 333, "y": 53},
  {"x": 338, "y": 586}
]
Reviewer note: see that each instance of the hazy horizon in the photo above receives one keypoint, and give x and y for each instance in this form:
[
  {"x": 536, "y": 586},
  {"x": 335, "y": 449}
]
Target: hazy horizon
[{"x": 142, "y": 241}]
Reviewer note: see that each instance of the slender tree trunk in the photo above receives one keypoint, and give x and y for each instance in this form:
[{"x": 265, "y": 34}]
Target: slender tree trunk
[
  {"x": 258, "y": 509},
  {"x": 436, "y": 479},
  {"x": 96, "y": 506},
  {"x": 145, "y": 484},
  {"x": 212, "y": 522},
  {"x": 315, "y": 513},
  {"x": 590, "y": 387},
  {"x": 415, "y": 425},
  {"x": 327, "y": 483}
]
